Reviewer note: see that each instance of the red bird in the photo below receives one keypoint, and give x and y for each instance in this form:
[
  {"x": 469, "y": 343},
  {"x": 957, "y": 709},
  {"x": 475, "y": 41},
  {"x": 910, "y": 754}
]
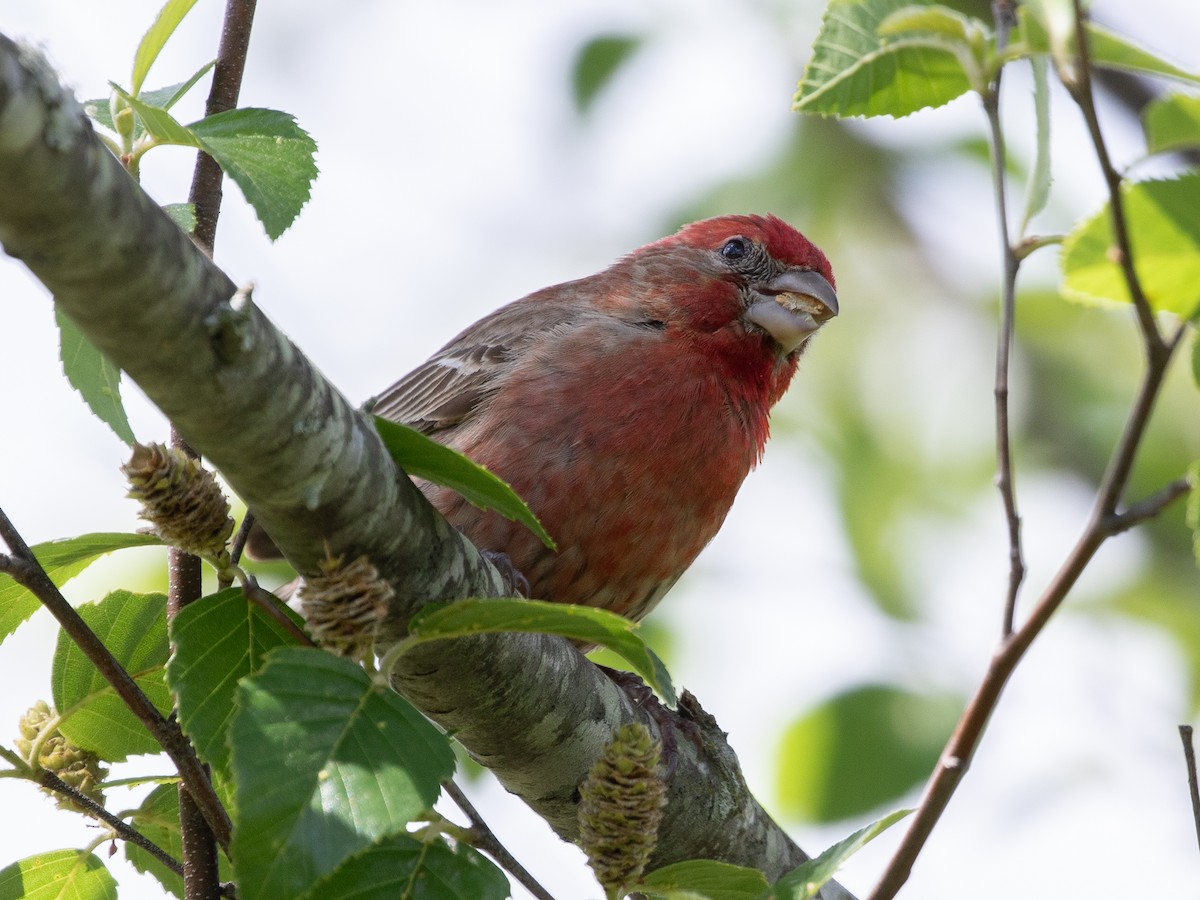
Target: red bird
[{"x": 625, "y": 408}]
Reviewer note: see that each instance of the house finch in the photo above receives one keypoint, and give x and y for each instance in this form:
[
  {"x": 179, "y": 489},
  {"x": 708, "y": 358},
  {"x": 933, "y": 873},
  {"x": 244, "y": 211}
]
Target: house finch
[{"x": 625, "y": 408}]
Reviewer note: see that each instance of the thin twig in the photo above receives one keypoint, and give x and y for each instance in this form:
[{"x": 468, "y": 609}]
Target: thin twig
[
  {"x": 1189, "y": 758},
  {"x": 51, "y": 782},
  {"x": 1080, "y": 89},
  {"x": 1004, "y": 465},
  {"x": 270, "y": 604},
  {"x": 484, "y": 840},
  {"x": 1139, "y": 512},
  {"x": 239, "y": 541},
  {"x": 1103, "y": 523},
  {"x": 26, "y": 571}
]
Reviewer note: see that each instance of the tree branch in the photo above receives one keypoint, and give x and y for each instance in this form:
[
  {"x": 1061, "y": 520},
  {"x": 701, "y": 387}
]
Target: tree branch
[
  {"x": 27, "y": 572},
  {"x": 310, "y": 466},
  {"x": 121, "y": 828}
]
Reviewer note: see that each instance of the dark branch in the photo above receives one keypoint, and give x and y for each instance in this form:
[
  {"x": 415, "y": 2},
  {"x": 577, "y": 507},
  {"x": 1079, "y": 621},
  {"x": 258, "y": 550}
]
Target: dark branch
[
  {"x": 27, "y": 572},
  {"x": 484, "y": 840},
  {"x": 1189, "y": 758}
]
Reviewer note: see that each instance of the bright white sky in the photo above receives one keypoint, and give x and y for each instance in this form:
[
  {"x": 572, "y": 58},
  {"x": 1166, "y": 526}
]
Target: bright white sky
[{"x": 455, "y": 178}]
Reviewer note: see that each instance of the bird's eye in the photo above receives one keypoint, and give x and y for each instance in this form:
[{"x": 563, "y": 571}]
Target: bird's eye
[{"x": 735, "y": 248}]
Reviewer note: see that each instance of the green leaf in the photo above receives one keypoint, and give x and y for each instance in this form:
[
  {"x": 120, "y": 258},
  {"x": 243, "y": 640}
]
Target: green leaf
[
  {"x": 166, "y": 97},
  {"x": 856, "y": 71},
  {"x": 134, "y": 628},
  {"x": 421, "y": 457},
  {"x": 158, "y": 819},
  {"x": 270, "y": 158},
  {"x": 860, "y": 749},
  {"x": 95, "y": 377},
  {"x": 160, "y": 124},
  {"x": 804, "y": 881},
  {"x": 360, "y": 763},
  {"x": 156, "y": 37},
  {"x": 596, "y": 63},
  {"x": 1038, "y": 190},
  {"x": 183, "y": 215},
  {"x": 401, "y": 866},
  {"x": 99, "y": 110},
  {"x": 1056, "y": 36},
  {"x": 62, "y": 560},
  {"x": 1172, "y": 123},
  {"x": 58, "y": 875},
  {"x": 579, "y": 623},
  {"x": 218, "y": 640},
  {"x": 707, "y": 877},
  {"x": 1163, "y": 220},
  {"x": 934, "y": 19},
  {"x": 160, "y": 98}
]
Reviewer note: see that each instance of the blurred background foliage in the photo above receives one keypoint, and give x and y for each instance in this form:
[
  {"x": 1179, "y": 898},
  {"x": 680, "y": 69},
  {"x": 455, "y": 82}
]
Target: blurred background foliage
[{"x": 868, "y": 745}]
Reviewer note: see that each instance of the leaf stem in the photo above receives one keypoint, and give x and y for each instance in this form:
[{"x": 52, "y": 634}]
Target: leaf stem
[{"x": 1012, "y": 264}]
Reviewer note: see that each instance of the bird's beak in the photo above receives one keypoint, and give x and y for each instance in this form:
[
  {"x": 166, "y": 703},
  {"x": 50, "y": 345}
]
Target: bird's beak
[{"x": 792, "y": 306}]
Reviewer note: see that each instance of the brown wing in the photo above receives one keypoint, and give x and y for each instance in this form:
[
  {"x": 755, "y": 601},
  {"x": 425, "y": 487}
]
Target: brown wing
[{"x": 454, "y": 383}]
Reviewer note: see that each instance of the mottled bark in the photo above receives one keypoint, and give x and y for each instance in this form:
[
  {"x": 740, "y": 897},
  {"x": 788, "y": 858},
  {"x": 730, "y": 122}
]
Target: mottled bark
[{"x": 529, "y": 707}]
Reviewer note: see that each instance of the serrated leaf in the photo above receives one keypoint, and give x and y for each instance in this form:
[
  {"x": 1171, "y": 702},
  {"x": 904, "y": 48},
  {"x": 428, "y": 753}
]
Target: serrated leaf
[
  {"x": 218, "y": 640},
  {"x": 804, "y": 881},
  {"x": 156, "y": 37},
  {"x": 95, "y": 377},
  {"x": 58, "y": 875},
  {"x": 707, "y": 877},
  {"x": 1163, "y": 219},
  {"x": 863, "y": 747},
  {"x": 1108, "y": 50},
  {"x": 421, "y": 457},
  {"x": 183, "y": 215},
  {"x": 158, "y": 820},
  {"x": 596, "y": 63},
  {"x": 360, "y": 762},
  {"x": 62, "y": 560},
  {"x": 1037, "y": 192},
  {"x": 401, "y": 866},
  {"x": 1172, "y": 123},
  {"x": 270, "y": 158},
  {"x": 586, "y": 624},
  {"x": 134, "y": 628},
  {"x": 101, "y": 112},
  {"x": 855, "y": 71}
]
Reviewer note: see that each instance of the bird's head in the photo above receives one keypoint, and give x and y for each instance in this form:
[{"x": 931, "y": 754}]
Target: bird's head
[{"x": 756, "y": 272}]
